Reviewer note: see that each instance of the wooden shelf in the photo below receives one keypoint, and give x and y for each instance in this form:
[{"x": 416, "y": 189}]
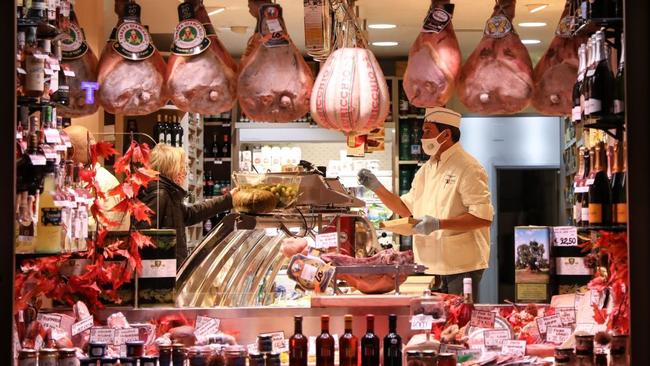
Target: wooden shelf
[
  {"x": 614, "y": 228},
  {"x": 217, "y": 123}
]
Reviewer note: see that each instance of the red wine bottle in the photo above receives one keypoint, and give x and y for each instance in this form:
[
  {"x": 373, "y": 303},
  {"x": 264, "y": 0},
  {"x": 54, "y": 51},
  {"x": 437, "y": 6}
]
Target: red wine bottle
[
  {"x": 370, "y": 344},
  {"x": 325, "y": 344},
  {"x": 392, "y": 344},
  {"x": 298, "y": 345},
  {"x": 348, "y": 345}
]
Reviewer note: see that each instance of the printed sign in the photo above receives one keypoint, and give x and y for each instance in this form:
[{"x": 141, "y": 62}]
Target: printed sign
[
  {"x": 436, "y": 21},
  {"x": 205, "y": 325},
  {"x": 82, "y": 325},
  {"x": 465, "y": 355},
  {"x": 421, "y": 322},
  {"x": 495, "y": 338},
  {"x": 49, "y": 321},
  {"x": 558, "y": 335},
  {"x": 73, "y": 45},
  {"x": 327, "y": 240},
  {"x": 514, "y": 347},
  {"x": 158, "y": 268},
  {"x": 102, "y": 335},
  {"x": 584, "y": 328},
  {"x": 567, "y": 315},
  {"x": 548, "y": 321},
  {"x": 126, "y": 335},
  {"x": 482, "y": 319},
  {"x": 565, "y": 236}
]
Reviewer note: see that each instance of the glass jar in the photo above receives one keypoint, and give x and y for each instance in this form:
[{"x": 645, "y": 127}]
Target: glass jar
[
  {"x": 265, "y": 343},
  {"x": 179, "y": 354},
  {"x": 601, "y": 359},
  {"x": 48, "y": 357},
  {"x": 447, "y": 359},
  {"x": 165, "y": 355},
  {"x": 413, "y": 358},
  {"x": 87, "y": 361},
  {"x": 564, "y": 356},
  {"x": 128, "y": 361},
  {"x": 429, "y": 357},
  {"x": 68, "y": 357},
  {"x": 618, "y": 347},
  {"x": 584, "y": 345},
  {"x": 97, "y": 349},
  {"x": 272, "y": 359},
  {"x": 27, "y": 357},
  {"x": 235, "y": 356},
  {"x": 255, "y": 359},
  {"x": 198, "y": 356},
  {"x": 135, "y": 349},
  {"x": 109, "y": 361},
  {"x": 149, "y": 361}
]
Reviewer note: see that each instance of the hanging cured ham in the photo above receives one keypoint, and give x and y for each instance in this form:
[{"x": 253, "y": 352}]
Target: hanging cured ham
[
  {"x": 556, "y": 71},
  {"x": 350, "y": 93},
  {"x": 80, "y": 59},
  {"x": 201, "y": 74},
  {"x": 497, "y": 76},
  {"x": 434, "y": 59},
  {"x": 131, "y": 70},
  {"x": 275, "y": 82}
]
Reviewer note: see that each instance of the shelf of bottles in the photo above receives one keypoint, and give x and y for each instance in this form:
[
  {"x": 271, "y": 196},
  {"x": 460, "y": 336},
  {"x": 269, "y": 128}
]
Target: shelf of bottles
[{"x": 217, "y": 159}]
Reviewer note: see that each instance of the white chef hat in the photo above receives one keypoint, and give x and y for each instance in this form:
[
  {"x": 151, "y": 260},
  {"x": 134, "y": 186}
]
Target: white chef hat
[{"x": 442, "y": 115}]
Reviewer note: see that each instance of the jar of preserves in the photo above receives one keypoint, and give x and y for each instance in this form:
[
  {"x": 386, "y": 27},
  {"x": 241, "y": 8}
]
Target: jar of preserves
[
  {"x": 48, "y": 357},
  {"x": 564, "y": 356},
  {"x": 429, "y": 357},
  {"x": 198, "y": 356},
  {"x": 255, "y": 359},
  {"x": 27, "y": 357},
  {"x": 585, "y": 345},
  {"x": 265, "y": 343},
  {"x": 68, "y": 357},
  {"x": 179, "y": 354},
  {"x": 235, "y": 356},
  {"x": 413, "y": 358},
  {"x": 135, "y": 349},
  {"x": 87, "y": 361},
  {"x": 128, "y": 361},
  {"x": 149, "y": 361},
  {"x": 97, "y": 349},
  {"x": 165, "y": 355},
  {"x": 618, "y": 347},
  {"x": 109, "y": 361},
  {"x": 447, "y": 359},
  {"x": 272, "y": 359}
]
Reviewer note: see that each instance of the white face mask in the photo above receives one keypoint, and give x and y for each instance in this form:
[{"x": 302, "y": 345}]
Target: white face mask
[{"x": 432, "y": 146}]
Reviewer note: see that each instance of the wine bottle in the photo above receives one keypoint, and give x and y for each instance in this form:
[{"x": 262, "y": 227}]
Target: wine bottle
[
  {"x": 576, "y": 112},
  {"x": 600, "y": 9},
  {"x": 588, "y": 179},
  {"x": 62, "y": 94},
  {"x": 169, "y": 130},
  {"x": 600, "y": 191},
  {"x": 392, "y": 344},
  {"x": 403, "y": 101},
  {"x": 586, "y": 82},
  {"x": 179, "y": 132},
  {"x": 34, "y": 66},
  {"x": 602, "y": 86},
  {"x": 225, "y": 148},
  {"x": 298, "y": 345},
  {"x": 578, "y": 186},
  {"x": 404, "y": 145},
  {"x": 325, "y": 344},
  {"x": 468, "y": 303},
  {"x": 370, "y": 344},
  {"x": 173, "y": 130},
  {"x": 215, "y": 147},
  {"x": 348, "y": 345},
  {"x": 159, "y": 130},
  {"x": 619, "y": 193},
  {"x": 416, "y": 144},
  {"x": 619, "y": 99}
]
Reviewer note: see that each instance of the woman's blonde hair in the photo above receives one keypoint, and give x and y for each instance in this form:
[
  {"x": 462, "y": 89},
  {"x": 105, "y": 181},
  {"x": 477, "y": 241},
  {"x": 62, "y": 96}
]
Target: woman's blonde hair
[{"x": 169, "y": 161}]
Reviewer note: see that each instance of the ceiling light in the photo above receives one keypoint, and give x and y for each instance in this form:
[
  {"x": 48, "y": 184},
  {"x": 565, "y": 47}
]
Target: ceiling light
[
  {"x": 532, "y": 24},
  {"x": 382, "y": 26},
  {"x": 385, "y": 44},
  {"x": 534, "y": 8},
  {"x": 216, "y": 11},
  {"x": 531, "y": 41}
]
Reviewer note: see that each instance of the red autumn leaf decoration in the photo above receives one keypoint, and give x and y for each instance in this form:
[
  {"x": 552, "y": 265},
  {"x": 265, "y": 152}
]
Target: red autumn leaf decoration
[{"x": 112, "y": 261}]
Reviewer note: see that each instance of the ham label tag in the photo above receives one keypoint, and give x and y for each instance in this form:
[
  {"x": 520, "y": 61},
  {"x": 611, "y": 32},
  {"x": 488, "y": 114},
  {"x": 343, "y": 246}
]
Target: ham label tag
[
  {"x": 74, "y": 45},
  {"x": 436, "y": 21},
  {"x": 498, "y": 26},
  {"x": 190, "y": 38},
  {"x": 133, "y": 41}
]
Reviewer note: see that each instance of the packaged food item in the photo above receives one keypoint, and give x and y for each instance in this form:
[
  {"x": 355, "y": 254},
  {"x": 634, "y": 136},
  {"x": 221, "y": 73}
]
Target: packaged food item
[{"x": 311, "y": 273}]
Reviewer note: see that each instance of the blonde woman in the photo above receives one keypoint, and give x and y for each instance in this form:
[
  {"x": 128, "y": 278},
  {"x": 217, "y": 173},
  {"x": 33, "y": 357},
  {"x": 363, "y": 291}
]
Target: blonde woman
[{"x": 165, "y": 197}]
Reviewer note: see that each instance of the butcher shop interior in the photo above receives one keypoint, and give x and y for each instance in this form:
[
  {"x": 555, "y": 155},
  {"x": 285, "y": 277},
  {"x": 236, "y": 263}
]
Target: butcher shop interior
[{"x": 325, "y": 182}]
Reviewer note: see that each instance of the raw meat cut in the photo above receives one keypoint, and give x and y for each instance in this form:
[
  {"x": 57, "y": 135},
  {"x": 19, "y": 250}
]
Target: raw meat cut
[
  {"x": 350, "y": 94},
  {"x": 80, "y": 59},
  {"x": 497, "y": 76},
  {"x": 275, "y": 82},
  {"x": 293, "y": 246},
  {"x": 434, "y": 59},
  {"x": 388, "y": 256},
  {"x": 131, "y": 70},
  {"x": 557, "y": 70},
  {"x": 201, "y": 75}
]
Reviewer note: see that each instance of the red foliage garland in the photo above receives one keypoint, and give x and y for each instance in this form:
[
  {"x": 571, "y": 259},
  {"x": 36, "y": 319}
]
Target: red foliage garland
[{"x": 42, "y": 276}]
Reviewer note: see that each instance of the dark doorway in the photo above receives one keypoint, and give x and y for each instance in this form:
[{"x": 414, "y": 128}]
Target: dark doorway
[{"x": 524, "y": 197}]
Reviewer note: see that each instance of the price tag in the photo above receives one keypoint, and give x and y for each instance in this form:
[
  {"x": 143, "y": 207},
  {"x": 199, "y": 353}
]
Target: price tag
[
  {"x": 37, "y": 159},
  {"x": 565, "y": 236},
  {"x": 482, "y": 319},
  {"x": 590, "y": 181},
  {"x": 495, "y": 338},
  {"x": 102, "y": 335},
  {"x": 567, "y": 315},
  {"x": 252, "y": 348},
  {"x": 327, "y": 240},
  {"x": 206, "y": 325},
  {"x": 548, "y": 321},
  {"x": 19, "y": 135},
  {"x": 69, "y": 73},
  {"x": 278, "y": 341},
  {"x": 52, "y": 136},
  {"x": 582, "y": 189},
  {"x": 126, "y": 335},
  {"x": 21, "y": 71},
  {"x": 82, "y": 325},
  {"x": 558, "y": 335},
  {"x": 421, "y": 322},
  {"x": 218, "y": 161},
  {"x": 274, "y": 25},
  {"x": 66, "y": 140},
  {"x": 514, "y": 347},
  {"x": 49, "y": 321},
  {"x": 48, "y": 71}
]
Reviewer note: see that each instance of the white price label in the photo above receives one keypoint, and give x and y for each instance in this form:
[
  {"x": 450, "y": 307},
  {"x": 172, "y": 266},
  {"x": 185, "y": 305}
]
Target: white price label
[
  {"x": 558, "y": 335},
  {"x": 82, "y": 325},
  {"x": 548, "y": 321},
  {"x": 158, "y": 268},
  {"x": 126, "y": 335},
  {"x": 327, "y": 240},
  {"x": 102, "y": 335},
  {"x": 514, "y": 347},
  {"x": 52, "y": 136},
  {"x": 37, "y": 159},
  {"x": 590, "y": 181},
  {"x": 21, "y": 70},
  {"x": 572, "y": 266},
  {"x": 496, "y": 338},
  {"x": 482, "y": 319},
  {"x": 564, "y": 236},
  {"x": 421, "y": 322},
  {"x": 567, "y": 315},
  {"x": 582, "y": 189},
  {"x": 308, "y": 272},
  {"x": 205, "y": 325},
  {"x": 49, "y": 321},
  {"x": 69, "y": 73},
  {"x": 274, "y": 25}
]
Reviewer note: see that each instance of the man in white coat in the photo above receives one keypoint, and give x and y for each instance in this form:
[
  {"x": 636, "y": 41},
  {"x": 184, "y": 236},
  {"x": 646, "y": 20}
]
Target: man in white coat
[{"x": 451, "y": 199}]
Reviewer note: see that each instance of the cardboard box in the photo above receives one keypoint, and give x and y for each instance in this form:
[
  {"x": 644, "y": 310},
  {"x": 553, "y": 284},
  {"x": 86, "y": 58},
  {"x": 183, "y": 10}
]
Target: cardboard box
[
  {"x": 532, "y": 255},
  {"x": 400, "y": 226}
]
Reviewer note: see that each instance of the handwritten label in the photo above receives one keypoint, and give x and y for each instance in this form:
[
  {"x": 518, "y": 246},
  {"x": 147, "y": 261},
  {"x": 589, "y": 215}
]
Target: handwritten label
[
  {"x": 49, "y": 321},
  {"x": 102, "y": 335},
  {"x": 513, "y": 347},
  {"x": 421, "y": 322},
  {"x": 565, "y": 236},
  {"x": 278, "y": 341},
  {"x": 548, "y": 321},
  {"x": 327, "y": 240},
  {"x": 567, "y": 315},
  {"x": 83, "y": 324},
  {"x": 206, "y": 325},
  {"x": 126, "y": 335},
  {"x": 495, "y": 338},
  {"x": 558, "y": 335},
  {"x": 482, "y": 319}
]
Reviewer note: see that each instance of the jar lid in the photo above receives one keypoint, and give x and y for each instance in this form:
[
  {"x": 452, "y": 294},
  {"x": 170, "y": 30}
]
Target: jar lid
[
  {"x": 97, "y": 344},
  {"x": 67, "y": 352},
  {"x": 135, "y": 343},
  {"x": 178, "y": 345},
  {"x": 164, "y": 347},
  {"x": 28, "y": 352}
]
